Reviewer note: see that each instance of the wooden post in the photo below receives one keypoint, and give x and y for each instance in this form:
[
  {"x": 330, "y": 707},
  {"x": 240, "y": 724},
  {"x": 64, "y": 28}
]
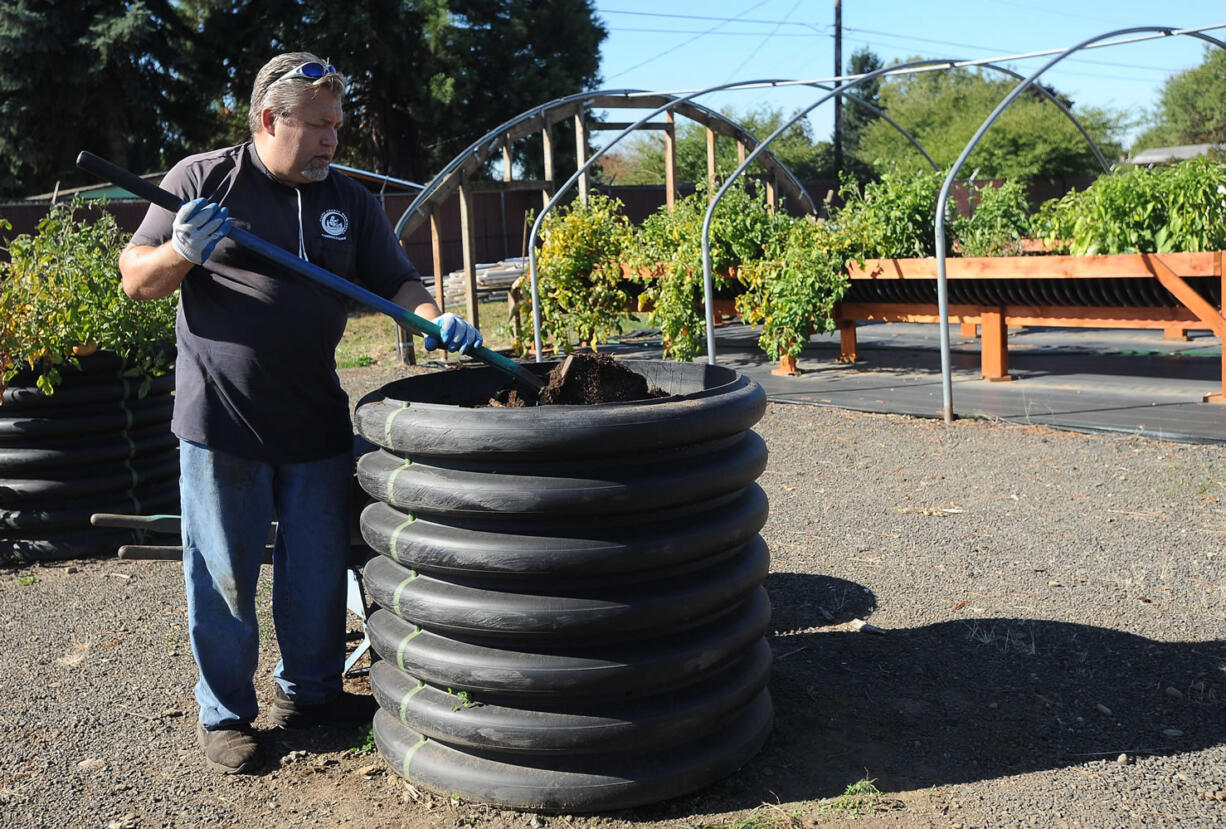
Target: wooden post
[
  {"x": 772, "y": 194},
  {"x": 787, "y": 367},
  {"x": 670, "y": 161},
  {"x": 506, "y": 160},
  {"x": 968, "y": 329},
  {"x": 993, "y": 346},
  {"x": 711, "y": 163},
  {"x": 847, "y": 341},
  {"x": 468, "y": 243},
  {"x": 581, "y": 152},
  {"x": 740, "y": 152},
  {"x": 550, "y": 184},
  {"x": 436, "y": 252}
]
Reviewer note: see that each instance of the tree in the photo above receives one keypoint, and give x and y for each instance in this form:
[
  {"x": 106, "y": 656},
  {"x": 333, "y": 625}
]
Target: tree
[
  {"x": 1031, "y": 140},
  {"x": 1192, "y": 107},
  {"x": 93, "y": 75},
  {"x": 427, "y": 77},
  {"x": 642, "y": 160},
  {"x": 856, "y": 117}
]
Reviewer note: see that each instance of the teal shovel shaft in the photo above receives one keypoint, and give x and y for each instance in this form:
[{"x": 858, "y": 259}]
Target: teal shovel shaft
[{"x": 163, "y": 198}]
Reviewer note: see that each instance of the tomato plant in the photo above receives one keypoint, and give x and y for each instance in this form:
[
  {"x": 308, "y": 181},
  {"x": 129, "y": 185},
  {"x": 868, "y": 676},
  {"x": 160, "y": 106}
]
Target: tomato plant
[
  {"x": 1177, "y": 208},
  {"x": 999, "y": 220}
]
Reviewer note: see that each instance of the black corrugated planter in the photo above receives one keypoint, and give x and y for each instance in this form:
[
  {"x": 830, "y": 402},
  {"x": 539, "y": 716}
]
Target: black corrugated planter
[
  {"x": 572, "y": 615},
  {"x": 95, "y": 445}
]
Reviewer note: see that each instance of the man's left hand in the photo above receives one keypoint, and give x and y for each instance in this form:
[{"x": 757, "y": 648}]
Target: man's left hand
[{"x": 455, "y": 334}]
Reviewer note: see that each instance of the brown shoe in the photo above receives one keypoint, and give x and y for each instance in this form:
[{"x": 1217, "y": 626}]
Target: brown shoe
[
  {"x": 345, "y": 709},
  {"x": 230, "y": 749}
]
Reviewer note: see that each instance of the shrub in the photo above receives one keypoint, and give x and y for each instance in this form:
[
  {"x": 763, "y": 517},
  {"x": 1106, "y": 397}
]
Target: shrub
[
  {"x": 579, "y": 273},
  {"x": 669, "y": 243},
  {"x": 792, "y": 290},
  {"x": 60, "y": 296}
]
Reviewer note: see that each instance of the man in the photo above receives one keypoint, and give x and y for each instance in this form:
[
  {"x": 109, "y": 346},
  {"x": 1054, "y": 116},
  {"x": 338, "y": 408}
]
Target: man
[{"x": 262, "y": 420}]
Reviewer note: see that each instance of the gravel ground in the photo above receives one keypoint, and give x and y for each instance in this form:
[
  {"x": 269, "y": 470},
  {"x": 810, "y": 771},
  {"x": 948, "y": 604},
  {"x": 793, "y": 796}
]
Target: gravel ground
[{"x": 997, "y": 625}]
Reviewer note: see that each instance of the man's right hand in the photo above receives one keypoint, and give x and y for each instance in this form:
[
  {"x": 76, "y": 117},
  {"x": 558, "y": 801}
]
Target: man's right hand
[{"x": 199, "y": 226}]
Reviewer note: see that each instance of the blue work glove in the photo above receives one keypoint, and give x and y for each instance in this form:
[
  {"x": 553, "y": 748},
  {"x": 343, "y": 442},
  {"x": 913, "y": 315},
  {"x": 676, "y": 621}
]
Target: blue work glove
[
  {"x": 199, "y": 225},
  {"x": 456, "y": 334}
]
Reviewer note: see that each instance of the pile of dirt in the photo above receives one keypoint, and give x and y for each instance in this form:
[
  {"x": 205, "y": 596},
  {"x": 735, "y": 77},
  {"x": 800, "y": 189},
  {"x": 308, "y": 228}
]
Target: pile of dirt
[{"x": 582, "y": 379}]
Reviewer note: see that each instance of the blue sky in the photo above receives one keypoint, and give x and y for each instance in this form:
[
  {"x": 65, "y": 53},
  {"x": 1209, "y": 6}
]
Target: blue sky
[{"x": 693, "y": 44}]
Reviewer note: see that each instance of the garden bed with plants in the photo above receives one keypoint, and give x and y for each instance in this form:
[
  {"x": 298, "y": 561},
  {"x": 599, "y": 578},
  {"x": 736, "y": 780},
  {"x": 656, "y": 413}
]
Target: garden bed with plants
[
  {"x": 86, "y": 404},
  {"x": 1136, "y": 249}
]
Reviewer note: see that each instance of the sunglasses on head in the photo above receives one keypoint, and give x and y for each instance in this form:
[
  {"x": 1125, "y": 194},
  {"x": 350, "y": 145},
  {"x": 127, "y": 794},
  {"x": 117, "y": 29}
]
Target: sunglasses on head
[{"x": 312, "y": 71}]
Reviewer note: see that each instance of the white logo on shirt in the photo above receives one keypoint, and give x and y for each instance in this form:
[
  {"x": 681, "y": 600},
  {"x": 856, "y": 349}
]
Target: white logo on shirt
[{"x": 334, "y": 223}]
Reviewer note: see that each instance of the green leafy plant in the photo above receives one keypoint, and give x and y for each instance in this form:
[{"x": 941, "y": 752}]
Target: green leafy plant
[
  {"x": 891, "y": 217},
  {"x": 26, "y": 581},
  {"x": 1177, "y": 208},
  {"x": 366, "y": 745},
  {"x": 669, "y": 245},
  {"x": 579, "y": 274},
  {"x": 999, "y": 221},
  {"x": 792, "y": 290},
  {"x": 861, "y": 797},
  {"x": 60, "y": 298},
  {"x": 462, "y": 699}
]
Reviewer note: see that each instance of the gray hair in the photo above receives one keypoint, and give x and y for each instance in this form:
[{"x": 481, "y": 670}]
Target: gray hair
[{"x": 281, "y": 96}]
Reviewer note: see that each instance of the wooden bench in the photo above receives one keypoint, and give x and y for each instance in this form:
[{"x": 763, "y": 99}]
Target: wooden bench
[{"x": 1181, "y": 307}]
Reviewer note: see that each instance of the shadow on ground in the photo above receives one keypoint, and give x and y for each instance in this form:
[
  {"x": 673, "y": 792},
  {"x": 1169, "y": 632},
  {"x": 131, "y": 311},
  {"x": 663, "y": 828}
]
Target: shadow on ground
[{"x": 959, "y": 701}]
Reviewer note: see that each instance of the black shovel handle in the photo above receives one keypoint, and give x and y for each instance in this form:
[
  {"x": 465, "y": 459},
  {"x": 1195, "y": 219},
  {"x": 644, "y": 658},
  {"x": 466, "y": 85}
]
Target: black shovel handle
[{"x": 162, "y": 198}]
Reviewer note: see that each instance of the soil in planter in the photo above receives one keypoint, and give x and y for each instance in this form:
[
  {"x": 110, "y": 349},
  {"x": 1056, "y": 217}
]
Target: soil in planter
[{"x": 582, "y": 379}]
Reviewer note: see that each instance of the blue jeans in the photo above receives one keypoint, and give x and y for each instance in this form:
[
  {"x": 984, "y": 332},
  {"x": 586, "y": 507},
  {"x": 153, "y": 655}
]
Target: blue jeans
[{"x": 228, "y": 505}]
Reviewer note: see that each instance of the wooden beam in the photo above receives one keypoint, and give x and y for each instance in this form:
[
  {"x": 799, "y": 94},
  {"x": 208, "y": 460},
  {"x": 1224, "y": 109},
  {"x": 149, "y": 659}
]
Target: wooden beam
[
  {"x": 550, "y": 185},
  {"x": 581, "y": 152},
  {"x": 468, "y": 242},
  {"x": 436, "y": 255},
  {"x": 1183, "y": 292},
  {"x": 670, "y": 162},
  {"x": 711, "y": 163},
  {"x": 1120, "y": 266},
  {"x": 623, "y": 125}
]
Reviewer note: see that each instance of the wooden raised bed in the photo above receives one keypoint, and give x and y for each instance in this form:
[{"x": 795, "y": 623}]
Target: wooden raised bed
[{"x": 1186, "y": 310}]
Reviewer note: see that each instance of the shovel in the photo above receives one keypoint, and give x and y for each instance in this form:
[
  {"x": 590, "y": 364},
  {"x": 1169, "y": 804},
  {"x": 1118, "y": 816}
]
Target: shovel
[{"x": 146, "y": 190}]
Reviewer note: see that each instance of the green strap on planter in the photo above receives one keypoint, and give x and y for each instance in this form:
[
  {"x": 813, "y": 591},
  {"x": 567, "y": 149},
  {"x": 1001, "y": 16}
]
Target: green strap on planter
[
  {"x": 408, "y": 756},
  {"x": 396, "y": 536},
  {"x": 400, "y": 589},
  {"x": 417, "y": 631},
  {"x": 391, "y": 479},
  {"x": 404, "y": 701},
  {"x": 387, "y": 424}
]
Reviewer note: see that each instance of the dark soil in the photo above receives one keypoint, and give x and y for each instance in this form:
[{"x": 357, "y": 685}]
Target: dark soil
[{"x": 583, "y": 379}]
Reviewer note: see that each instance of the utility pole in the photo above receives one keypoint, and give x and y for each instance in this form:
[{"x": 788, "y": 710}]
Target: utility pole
[{"x": 838, "y": 99}]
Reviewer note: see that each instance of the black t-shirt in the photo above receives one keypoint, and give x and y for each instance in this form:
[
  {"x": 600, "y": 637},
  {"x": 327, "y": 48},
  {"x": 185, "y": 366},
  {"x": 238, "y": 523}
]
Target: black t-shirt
[{"x": 255, "y": 374}]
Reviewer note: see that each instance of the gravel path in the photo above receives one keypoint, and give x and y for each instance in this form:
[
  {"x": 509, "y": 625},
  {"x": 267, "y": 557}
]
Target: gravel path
[{"x": 998, "y": 625}]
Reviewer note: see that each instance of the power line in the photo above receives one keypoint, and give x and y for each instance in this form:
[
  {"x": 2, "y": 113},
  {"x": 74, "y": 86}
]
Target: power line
[
  {"x": 1063, "y": 71},
  {"x": 737, "y": 19},
  {"x": 1061, "y": 12},
  {"x": 808, "y": 36},
  {"x": 687, "y": 42},
  {"x": 994, "y": 49},
  {"x": 764, "y": 41}
]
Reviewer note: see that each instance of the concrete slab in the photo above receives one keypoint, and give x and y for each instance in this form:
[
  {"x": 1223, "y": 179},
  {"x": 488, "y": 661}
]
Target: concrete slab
[{"x": 1112, "y": 380}]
